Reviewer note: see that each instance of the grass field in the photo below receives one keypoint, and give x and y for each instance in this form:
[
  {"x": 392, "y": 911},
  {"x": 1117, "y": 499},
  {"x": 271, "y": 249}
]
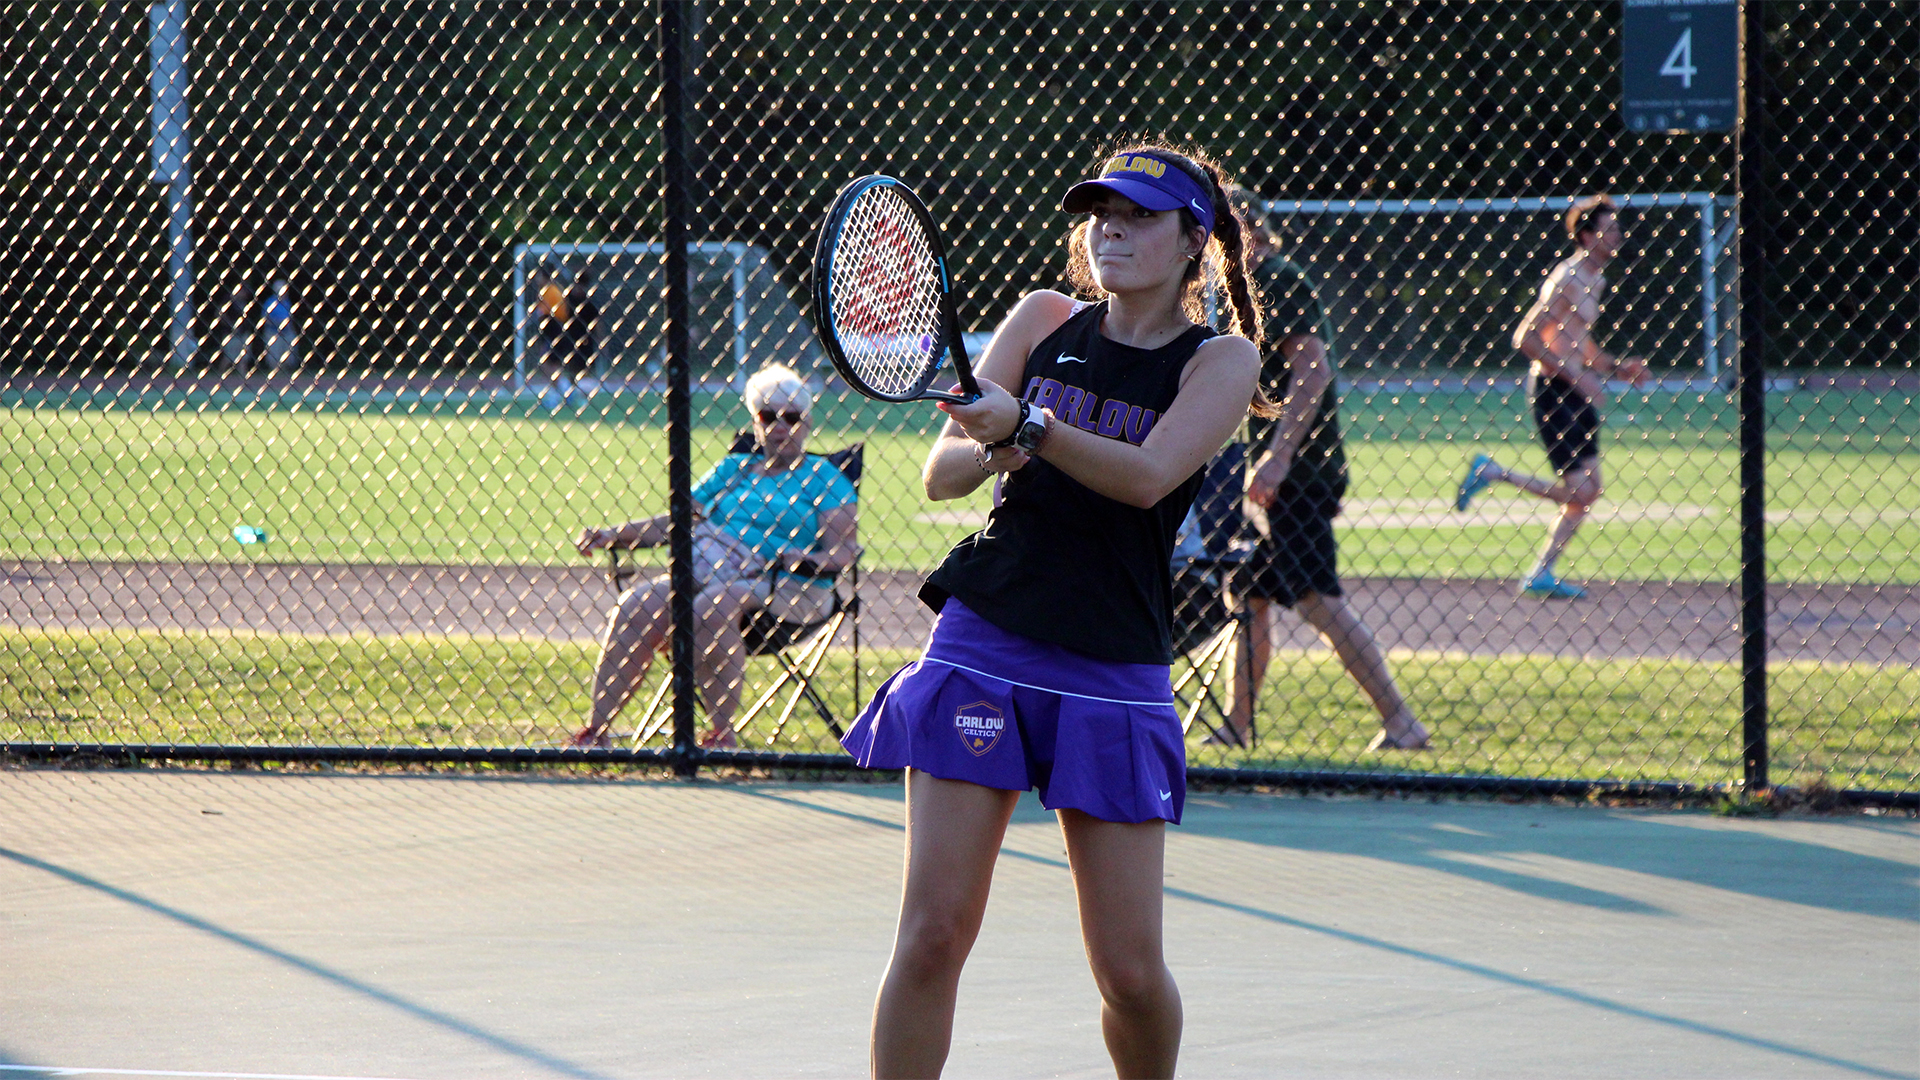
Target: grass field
[
  {"x": 505, "y": 484},
  {"x": 1846, "y": 726}
]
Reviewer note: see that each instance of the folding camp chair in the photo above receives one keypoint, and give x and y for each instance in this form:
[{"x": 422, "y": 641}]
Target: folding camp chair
[
  {"x": 798, "y": 648},
  {"x": 1209, "y": 624}
]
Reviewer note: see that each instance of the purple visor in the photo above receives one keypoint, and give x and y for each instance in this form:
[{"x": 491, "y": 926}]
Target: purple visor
[{"x": 1150, "y": 181}]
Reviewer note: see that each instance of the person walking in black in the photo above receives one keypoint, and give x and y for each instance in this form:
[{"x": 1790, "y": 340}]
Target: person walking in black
[
  {"x": 580, "y": 342},
  {"x": 1298, "y": 477}
]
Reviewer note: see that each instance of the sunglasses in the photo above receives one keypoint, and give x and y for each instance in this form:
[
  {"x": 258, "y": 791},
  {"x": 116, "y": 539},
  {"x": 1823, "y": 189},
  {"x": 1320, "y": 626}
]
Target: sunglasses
[{"x": 793, "y": 417}]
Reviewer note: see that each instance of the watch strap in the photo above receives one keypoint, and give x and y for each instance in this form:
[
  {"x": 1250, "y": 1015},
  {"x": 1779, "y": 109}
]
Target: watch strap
[{"x": 1026, "y": 417}]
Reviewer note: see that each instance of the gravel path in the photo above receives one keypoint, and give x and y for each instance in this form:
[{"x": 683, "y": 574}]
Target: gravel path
[{"x": 1862, "y": 624}]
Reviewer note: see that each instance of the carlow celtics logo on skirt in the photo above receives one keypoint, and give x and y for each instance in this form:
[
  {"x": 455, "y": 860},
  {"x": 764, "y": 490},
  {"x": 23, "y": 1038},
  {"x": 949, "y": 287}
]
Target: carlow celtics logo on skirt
[{"x": 979, "y": 725}]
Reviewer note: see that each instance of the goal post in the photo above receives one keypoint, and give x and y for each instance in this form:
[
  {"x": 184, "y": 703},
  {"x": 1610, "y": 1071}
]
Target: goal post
[
  {"x": 1436, "y": 285},
  {"x": 743, "y": 315}
]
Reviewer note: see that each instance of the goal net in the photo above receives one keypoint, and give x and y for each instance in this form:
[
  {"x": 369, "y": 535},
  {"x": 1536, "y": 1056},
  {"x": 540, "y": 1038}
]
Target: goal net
[
  {"x": 741, "y": 315},
  {"x": 1434, "y": 287}
]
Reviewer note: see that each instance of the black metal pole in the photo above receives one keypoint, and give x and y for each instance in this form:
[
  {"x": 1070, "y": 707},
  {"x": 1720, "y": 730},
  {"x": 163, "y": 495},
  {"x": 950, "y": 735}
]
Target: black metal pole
[
  {"x": 1757, "y": 213},
  {"x": 676, "y": 183}
]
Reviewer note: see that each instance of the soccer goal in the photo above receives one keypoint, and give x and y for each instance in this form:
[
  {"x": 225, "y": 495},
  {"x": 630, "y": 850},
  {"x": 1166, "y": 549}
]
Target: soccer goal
[
  {"x": 742, "y": 314},
  {"x": 1434, "y": 287}
]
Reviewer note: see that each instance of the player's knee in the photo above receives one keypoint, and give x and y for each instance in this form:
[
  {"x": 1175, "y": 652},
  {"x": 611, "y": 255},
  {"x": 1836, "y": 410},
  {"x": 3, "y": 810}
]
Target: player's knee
[
  {"x": 932, "y": 948},
  {"x": 1132, "y": 983}
]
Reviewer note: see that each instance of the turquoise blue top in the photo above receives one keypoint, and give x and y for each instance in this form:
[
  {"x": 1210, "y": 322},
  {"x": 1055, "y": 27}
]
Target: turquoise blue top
[{"x": 772, "y": 513}]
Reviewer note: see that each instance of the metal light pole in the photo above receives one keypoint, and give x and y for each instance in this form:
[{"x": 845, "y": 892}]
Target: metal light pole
[{"x": 172, "y": 167}]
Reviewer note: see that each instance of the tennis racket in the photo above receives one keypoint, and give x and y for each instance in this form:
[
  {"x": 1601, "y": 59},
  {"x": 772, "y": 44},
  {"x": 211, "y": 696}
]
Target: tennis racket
[{"x": 882, "y": 299}]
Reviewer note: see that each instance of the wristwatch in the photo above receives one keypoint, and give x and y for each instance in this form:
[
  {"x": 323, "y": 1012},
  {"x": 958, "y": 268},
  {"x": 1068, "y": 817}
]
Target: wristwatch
[{"x": 1032, "y": 429}]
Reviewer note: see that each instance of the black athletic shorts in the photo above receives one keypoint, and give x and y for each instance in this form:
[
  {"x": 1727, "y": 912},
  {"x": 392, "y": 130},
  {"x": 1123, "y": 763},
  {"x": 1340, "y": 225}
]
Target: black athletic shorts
[
  {"x": 577, "y": 358},
  {"x": 1569, "y": 425},
  {"x": 1299, "y": 557}
]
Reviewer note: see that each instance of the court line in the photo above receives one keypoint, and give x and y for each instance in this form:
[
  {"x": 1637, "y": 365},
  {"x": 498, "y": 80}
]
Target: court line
[
  {"x": 75, "y": 1070},
  {"x": 1578, "y": 997},
  {"x": 340, "y": 979}
]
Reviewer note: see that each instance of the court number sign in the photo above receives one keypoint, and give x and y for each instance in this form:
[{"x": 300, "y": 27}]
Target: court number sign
[{"x": 1680, "y": 65}]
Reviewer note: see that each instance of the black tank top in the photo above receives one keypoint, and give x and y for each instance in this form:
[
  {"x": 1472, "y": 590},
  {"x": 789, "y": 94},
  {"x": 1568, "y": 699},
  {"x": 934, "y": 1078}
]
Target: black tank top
[{"x": 1057, "y": 561}]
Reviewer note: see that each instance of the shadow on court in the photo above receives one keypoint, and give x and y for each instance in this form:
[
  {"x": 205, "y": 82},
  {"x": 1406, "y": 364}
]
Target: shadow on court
[
  {"x": 1645, "y": 845},
  {"x": 451, "y": 926}
]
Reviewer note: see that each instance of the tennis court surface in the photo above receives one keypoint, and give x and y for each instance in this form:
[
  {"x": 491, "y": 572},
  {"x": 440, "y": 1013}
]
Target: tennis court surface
[{"x": 414, "y": 926}]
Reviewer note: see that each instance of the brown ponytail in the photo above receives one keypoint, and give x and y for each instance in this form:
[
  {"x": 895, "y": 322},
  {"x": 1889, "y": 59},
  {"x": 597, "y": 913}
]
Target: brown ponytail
[{"x": 1224, "y": 259}]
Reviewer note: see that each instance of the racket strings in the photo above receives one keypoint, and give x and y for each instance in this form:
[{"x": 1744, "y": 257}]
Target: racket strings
[{"x": 886, "y": 295}]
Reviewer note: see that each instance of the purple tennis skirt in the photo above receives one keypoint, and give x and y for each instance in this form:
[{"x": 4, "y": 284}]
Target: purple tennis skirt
[{"x": 1005, "y": 711}]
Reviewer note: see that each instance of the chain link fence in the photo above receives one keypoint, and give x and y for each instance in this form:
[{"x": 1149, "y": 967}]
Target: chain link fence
[{"x": 330, "y": 328}]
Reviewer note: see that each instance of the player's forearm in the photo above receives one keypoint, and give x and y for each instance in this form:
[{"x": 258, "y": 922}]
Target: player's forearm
[
  {"x": 1115, "y": 468},
  {"x": 1140, "y": 476},
  {"x": 952, "y": 471}
]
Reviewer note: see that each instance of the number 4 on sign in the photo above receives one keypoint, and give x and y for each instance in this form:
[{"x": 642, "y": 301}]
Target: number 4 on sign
[{"x": 1680, "y": 60}]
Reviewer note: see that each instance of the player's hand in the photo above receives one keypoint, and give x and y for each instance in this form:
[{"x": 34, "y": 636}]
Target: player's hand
[
  {"x": 989, "y": 418},
  {"x": 591, "y": 540},
  {"x": 1265, "y": 480},
  {"x": 1634, "y": 370},
  {"x": 1001, "y": 460}
]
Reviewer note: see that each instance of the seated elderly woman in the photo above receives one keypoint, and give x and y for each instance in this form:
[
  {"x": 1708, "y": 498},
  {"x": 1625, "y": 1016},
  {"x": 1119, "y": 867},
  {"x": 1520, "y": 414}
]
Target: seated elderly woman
[{"x": 771, "y": 514}]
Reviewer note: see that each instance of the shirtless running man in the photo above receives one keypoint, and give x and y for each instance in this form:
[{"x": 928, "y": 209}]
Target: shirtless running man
[{"x": 1569, "y": 372}]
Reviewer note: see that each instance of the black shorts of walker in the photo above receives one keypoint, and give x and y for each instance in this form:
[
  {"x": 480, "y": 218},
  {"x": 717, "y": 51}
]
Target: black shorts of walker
[
  {"x": 577, "y": 355},
  {"x": 1569, "y": 425},
  {"x": 1298, "y": 556}
]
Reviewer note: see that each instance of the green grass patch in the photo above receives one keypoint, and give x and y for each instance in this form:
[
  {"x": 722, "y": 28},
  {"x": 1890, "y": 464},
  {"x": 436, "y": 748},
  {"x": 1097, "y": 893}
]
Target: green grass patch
[
  {"x": 372, "y": 487},
  {"x": 447, "y": 483},
  {"x": 1844, "y": 726},
  {"x": 1843, "y": 489},
  {"x": 1655, "y": 719}
]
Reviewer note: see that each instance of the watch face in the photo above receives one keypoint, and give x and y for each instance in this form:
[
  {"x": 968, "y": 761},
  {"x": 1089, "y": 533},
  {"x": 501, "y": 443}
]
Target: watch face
[{"x": 1027, "y": 436}]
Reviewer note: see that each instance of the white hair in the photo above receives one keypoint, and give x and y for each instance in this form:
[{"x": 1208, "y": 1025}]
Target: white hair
[{"x": 777, "y": 382}]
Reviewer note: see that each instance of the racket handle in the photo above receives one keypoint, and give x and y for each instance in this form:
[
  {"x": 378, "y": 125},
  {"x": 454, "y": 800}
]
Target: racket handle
[{"x": 961, "y": 365}]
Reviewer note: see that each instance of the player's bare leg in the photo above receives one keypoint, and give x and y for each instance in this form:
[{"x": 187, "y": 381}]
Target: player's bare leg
[
  {"x": 954, "y": 831},
  {"x": 1118, "y": 873}
]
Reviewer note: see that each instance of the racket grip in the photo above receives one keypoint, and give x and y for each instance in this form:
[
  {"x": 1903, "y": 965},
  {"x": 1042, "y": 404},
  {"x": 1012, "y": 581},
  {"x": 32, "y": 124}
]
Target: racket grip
[{"x": 962, "y": 365}]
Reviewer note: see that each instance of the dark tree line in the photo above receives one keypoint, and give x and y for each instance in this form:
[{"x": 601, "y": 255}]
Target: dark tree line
[{"x": 385, "y": 156}]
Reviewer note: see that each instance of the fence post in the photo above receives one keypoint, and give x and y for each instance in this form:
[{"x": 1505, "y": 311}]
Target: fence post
[
  {"x": 675, "y": 176},
  {"x": 1756, "y": 218}
]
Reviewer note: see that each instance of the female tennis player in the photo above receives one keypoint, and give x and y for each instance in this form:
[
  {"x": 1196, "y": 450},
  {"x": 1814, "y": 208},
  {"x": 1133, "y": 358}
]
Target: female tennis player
[
  {"x": 1569, "y": 391},
  {"x": 1048, "y": 665}
]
